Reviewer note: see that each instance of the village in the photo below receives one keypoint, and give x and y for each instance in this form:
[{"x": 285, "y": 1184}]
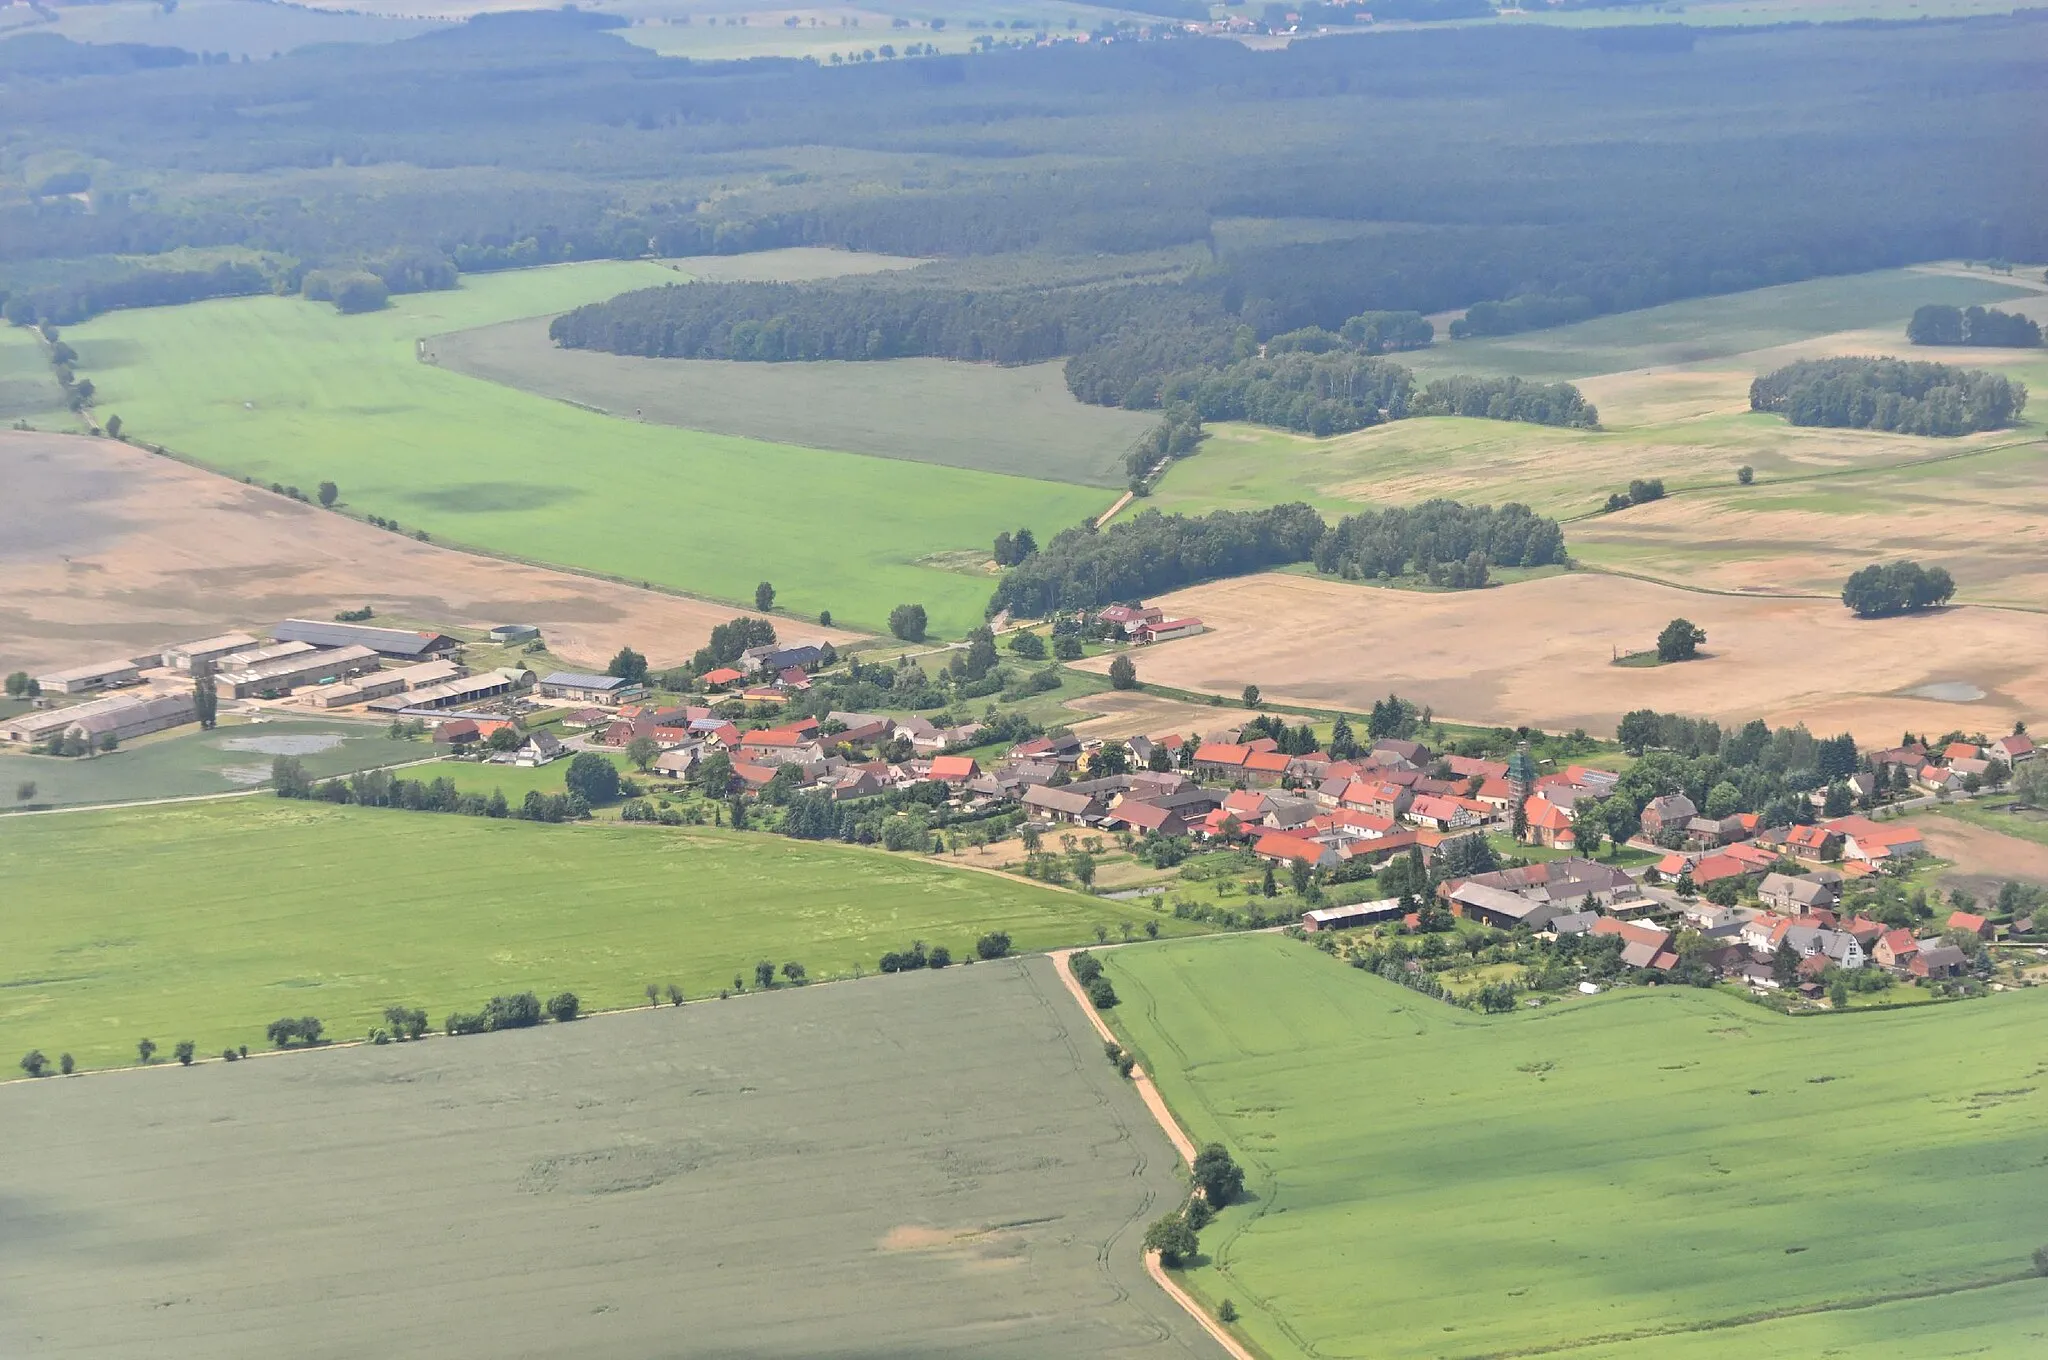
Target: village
[{"x": 1496, "y": 842}]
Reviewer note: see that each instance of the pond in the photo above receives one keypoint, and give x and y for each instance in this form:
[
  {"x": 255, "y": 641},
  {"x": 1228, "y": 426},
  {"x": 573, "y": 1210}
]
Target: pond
[
  {"x": 1949, "y": 691},
  {"x": 286, "y": 744}
]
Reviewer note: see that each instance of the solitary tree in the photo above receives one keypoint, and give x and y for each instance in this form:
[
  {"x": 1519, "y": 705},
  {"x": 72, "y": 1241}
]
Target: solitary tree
[
  {"x": 908, "y": 622},
  {"x": 824, "y": 618},
  {"x": 1173, "y": 1239},
  {"x": 1220, "y": 1179},
  {"x": 593, "y": 777},
  {"x": 1680, "y": 640},
  {"x": 653, "y": 995},
  {"x": 793, "y": 971},
  {"x": 34, "y": 1063},
  {"x": 183, "y": 1051},
  {"x": 764, "y": 975},
  {"x": 1250, "y": 696},
  {"x": 113, "y": 427},
  {"x": 146, "y": 1050},
  {"x": 1745, "y": 474},
  {"x": 329, "y": 493},
  {"x": 764, "y": 597},
  {"x": 205, "y": 701},
  {"x": 675, "y": 995},
  {"x": 66, "y": 1065},
  {"x": 564, "y": 1007},
  {"x": 1123, "y": 674},
  {"x": 642, "y": 751}
]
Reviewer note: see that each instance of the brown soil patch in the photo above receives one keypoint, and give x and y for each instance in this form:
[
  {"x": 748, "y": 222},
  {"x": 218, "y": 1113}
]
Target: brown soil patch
[
  {"x": 1133, "y": 713},
  {"x": 1984, "y": 856},
  {"x": 1540, "y": 653},
  {"x": 107, "y": 549}
]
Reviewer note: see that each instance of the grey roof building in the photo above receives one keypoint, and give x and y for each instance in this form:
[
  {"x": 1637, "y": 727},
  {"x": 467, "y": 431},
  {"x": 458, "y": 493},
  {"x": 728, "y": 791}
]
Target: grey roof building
[{"x": 400, "y": 643}]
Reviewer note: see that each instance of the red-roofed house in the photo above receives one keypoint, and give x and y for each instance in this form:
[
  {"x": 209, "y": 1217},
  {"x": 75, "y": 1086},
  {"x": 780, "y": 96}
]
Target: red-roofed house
[
  {"x": 723, "y": 677},
  {"x": 1220, "y": 758},
  {"x": 1716, "y": 867},
  {"x": 1959, "y": 750},
  {"x": 1895, "y": 949},
  {"x": 1442, "y": 814},
  {"x": 1549, "y": 824},
  {"x": 1813, "y": 842},
  {"x": 1976, "y": 925},
  {"x": 1264, "y": 768},
  {"x": 1364, "y": 825},
  {"x": 954, "y": 769},
  {"x": 1282, "y": 847},
  {"x": 1378, "y": 798},
  {"x": 2013, "y": 749},
  {"x": 1874, "y": 842},
  {"x": 1124, "y": 617},
  {"x": 1466, "y": 766}
]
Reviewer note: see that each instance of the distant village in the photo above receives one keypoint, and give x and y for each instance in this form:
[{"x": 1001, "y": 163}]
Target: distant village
[{"x": 1761, "y": 905}]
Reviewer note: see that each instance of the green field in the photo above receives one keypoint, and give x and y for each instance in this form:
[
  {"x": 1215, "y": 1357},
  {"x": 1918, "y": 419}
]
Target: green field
[
  {"x": 1670, "y": 1168},
  {"x": 205, "y": 921},
  {"x": 1714, "y": 327},
  {"x": 27, "y": 389},
  {"x": 1020, "y": 421},
  {"x": 187, "y": 761},
  {"x": 289, "y": 391}
]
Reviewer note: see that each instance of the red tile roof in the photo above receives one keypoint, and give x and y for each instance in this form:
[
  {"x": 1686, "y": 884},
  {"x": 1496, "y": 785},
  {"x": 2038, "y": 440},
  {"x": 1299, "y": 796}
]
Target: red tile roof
[
  {"x": 1220, "y": 753},
  {"x": 954, "y": 767},
  {"x": 1281, "y": 845}
]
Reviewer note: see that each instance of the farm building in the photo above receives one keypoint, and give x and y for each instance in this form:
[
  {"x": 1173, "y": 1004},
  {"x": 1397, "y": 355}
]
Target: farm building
[
  {"x": 261, "y": 655},
  {"x": 122, "y": 717},
  {"x": 457, "y": 732},
  {"x": 1165, "y": 630},
  {"x": 679, "y": 762},
  {"x": 1499, "y": 907},
  {"x": 507, "y": 633},
  {"x": 399, "y": 644},
  {"x": 1348, "y": 918},
  {"x": 287, "y": 673},
  {"x": 86, "y": 679},
  {"x": 585, "y": 689},
  {"x": 198, "y": 658},
  {"x": 378, "y": 686},
  {"x": 447, "y": 694},
  {"x": 540, "y": 748}
]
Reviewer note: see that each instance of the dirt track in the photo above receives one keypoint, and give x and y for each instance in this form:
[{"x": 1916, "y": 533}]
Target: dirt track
[
  {"x": 1541, "y": 653},
  {"x": 107, "y": 549}
]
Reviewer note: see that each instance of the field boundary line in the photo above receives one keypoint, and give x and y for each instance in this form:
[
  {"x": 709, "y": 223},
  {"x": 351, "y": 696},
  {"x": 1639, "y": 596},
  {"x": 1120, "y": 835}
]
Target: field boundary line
[
  {"x": 1767, "y": 1315},
  {"x": 1799, "y": 477},
  {"x": 252, "y": 790},
  {"x": 473, "y": 550},
  {"x": 1148, "y": 1091}
]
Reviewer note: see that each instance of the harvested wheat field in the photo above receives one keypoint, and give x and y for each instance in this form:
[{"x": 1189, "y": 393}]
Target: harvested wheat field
[
  {"x": 1130, "y": 713},
  {"x": 1540, "y": 653},
  {"x": 1991, "y": 856},
  {"x": 107, "y": 549}
]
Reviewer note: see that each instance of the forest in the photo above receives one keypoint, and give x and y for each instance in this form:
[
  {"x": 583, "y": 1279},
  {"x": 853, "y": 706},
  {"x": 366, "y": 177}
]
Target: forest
[
  {"x": 1453, "y": 545},
  {"x": 1890, "y": 394},
  {"x": 1589, "y": 174}
]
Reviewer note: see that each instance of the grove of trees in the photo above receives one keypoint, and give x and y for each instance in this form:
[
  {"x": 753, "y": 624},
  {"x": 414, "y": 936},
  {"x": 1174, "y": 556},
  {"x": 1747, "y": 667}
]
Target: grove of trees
[
  {"x": 1879, "y": 590},
  {"x": 1938, "y": 324},
  {"x": 1910, "y": 397}
]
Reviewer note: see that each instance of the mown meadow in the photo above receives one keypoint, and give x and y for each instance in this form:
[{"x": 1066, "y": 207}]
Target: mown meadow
[
  {"x": 1642, "y": 1174},
  {"x": 283, "y": 390},
  {"x": 206, "y": 921}
]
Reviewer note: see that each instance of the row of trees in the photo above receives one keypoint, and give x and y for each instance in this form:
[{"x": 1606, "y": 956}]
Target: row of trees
[
  {"x": 1890, "y": 394},
  {"x": 1439, "y": 533},
  {"x": 1507, "y": 399},
  {"x": 1452, "y": 543}
]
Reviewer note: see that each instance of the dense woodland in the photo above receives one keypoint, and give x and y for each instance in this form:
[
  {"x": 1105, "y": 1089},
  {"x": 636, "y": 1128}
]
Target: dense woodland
[
  {"x": 1890, "y": 394},
  {"x": 1450, "y": 544},
  {"x": 1591, "y": 172}
]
